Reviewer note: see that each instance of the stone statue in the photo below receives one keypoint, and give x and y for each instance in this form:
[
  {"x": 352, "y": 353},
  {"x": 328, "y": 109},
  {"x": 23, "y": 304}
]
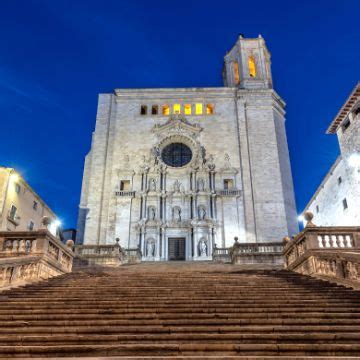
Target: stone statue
[
  {"x": 152, "y": 213},
  {"x": 201, "y": 185},
  {"x": 150, "y": 248},
  {"x": 177, "y": 214},
  {"x": 202, "y": 248},
  {"x": 177, "y": 186},
  {"x": 152, "y": 185},
  {"x": 211, "y": 164},
  {"x": 202, "y": 213},
  {"x": 227, "y": 161}
]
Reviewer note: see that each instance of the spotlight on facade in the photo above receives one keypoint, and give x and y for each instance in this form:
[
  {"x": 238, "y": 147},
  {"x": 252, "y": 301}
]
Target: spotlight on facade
[
  {"x": 354, "y": 160},
  {"x": 14, "y": 177}
]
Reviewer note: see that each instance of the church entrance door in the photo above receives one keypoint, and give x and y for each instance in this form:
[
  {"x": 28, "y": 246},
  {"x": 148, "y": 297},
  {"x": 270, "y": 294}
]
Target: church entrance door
[{"x": 176, "y": 248}]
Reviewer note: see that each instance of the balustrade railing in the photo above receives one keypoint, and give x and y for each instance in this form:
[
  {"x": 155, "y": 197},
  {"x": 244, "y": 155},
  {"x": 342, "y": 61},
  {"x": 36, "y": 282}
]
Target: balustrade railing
[
  {"x": 24, "y": 253},
  {"x": 125, "y": 193},
  {"x": 330, "y": 252},
  {"x": 229, "y": 192}
]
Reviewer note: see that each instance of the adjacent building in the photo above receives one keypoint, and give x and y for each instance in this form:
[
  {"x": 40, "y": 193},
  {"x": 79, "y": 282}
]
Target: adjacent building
[
  {"x": 21, "y": 208},
  {"x": 177, "y": 171},
  {"x": 337, "y": 200}
]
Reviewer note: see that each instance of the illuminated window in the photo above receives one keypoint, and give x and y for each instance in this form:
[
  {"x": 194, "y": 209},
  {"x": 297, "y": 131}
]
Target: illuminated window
[
  {"x": 125, "y": 185},
  {"x": 198, "y": 109},
  {"x": 166, "y": 110},
  {"x": 209, "y": 109},
  {"x": 176, "y": 109},
  {"x": 236, "y": 73},
  {"x": 154, "y": 110},
  {"x": 187, "y": 109},
  {"x": 252, "y": 66},
  {"x": 143, "y": 110}
]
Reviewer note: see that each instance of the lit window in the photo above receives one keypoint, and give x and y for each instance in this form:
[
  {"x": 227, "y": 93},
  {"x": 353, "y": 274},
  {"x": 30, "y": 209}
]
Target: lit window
[
  {"x": 125, "y": 185},
  {"x": 198, "y": 109},
  {"x": 187, "y": 109},
  {"x": 165, "y": 110},
  {"x": 236, "y": 72},
  {"x": 31, "y": 225},
  {"x": 345, "y": 204},
  {"x": 252, "y": 66},
  {"x": 17, "y": 188},
  {"x": 176, "y": 109},
  {"x": 209, "y": 109},
  {"x": 228, "y": 184},
  {"x": 154, "y": 110},
  {"x": 143, "y": 110}
]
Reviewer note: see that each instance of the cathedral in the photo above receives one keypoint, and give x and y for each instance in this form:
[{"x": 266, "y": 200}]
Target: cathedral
[{"x": 179, "y": 171}]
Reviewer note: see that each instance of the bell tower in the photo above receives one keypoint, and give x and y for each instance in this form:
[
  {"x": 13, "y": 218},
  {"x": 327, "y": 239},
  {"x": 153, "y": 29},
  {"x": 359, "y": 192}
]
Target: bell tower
[{"x": 247, "y": 65}]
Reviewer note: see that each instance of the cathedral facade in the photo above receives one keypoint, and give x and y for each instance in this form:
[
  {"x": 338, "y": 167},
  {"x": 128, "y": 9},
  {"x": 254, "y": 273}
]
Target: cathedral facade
[{"x": 178, "y": 171}]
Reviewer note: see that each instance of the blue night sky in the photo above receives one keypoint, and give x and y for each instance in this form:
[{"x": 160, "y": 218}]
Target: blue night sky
[{"x": 56, "y": 56}]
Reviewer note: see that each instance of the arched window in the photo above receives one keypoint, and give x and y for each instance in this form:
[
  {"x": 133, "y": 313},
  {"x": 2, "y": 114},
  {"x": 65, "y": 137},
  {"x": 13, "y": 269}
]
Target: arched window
[
  {"x": 166, "y": 110},
  {"x": 176, "y": 109},
  {"x": 187, "y": 109},
  {"x": 209, "y": 109},
  {"x": 198, "y": 109},
  {"x": 236, "y": 72},
  {"x": 143, "y": 110},
  {"x": 252, "y": 66},
  {"x": 154, "y": 110}
]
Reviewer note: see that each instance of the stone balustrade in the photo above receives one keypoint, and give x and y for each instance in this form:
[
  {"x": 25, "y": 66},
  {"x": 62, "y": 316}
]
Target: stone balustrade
[
  {"x": 125, "y": 193},
  {"x": 229, "y": 192},
  {"x": 27, "y": 256},
  {"x": 221, "y": 255},
  {"x": 106, "y": 255},
  {"x": 332, "y": 253}
]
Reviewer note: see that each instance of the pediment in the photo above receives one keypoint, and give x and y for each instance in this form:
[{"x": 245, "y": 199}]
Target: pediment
[{"x": 177, "y": 124}]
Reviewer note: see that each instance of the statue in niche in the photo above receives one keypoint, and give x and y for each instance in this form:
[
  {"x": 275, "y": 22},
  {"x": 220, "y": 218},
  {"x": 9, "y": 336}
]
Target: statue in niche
[
  {"x": 152, "y": 213},
  {"x": 202, "y": 212},
  {"x": 150, "y": 248},
  {"x": 177, "y": 185},
  {"x": 152, "y": 185},
  {"x": 176, "y": 214},
  {"x": 201, "y": 185},
  {"x": 227, "y": 161},
  {"x": 202, "y": 248},
  {"x": 211, "y": 164}
]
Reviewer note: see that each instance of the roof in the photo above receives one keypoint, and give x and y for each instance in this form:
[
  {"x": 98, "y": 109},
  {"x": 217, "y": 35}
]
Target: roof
[{"x": 343, "y": 112}]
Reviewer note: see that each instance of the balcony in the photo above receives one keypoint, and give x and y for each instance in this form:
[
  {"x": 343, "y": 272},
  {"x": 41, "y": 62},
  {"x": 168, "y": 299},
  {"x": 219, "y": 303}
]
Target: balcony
[
  {"x": 125, "y": 193},
  {"x": 229, "y": 192}
]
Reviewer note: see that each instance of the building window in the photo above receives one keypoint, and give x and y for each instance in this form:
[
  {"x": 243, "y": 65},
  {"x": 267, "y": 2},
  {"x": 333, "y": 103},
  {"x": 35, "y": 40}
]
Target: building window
[
  {"x": 154, "y": 110},
  {"x": 198, "y": 109},
  {"x": 143, "y": 110},
  {"x": 345, "y": 125},
  {"x": 17, "y": 188},
  {"x": 176, "y": 109},
  {"x": 209, "y": 109},
  {"x": 13, "y": 211},
  {"x": 252, "y": 66},
  {"x": 35, "y": 205},
  {"x": 339, "y": 180},
  {"x": 187, "y": 109},
  {"x": 124, "y": 185},
  {"x": 357, "y": 111},
  {"x": 345, "y": 204},
  {"x": 166, "y": 110},
  {"x": 228, "y": 184},
  {"x": 317, "y": 208},
  {"x": 31, "y": 225},
  {"x": 236, "y": 72},
  {"x": 176, "y": 155}
]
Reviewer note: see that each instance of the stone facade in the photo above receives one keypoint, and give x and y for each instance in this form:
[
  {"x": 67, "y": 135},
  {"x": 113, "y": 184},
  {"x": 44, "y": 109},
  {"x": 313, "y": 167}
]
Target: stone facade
[
  {"x": 21, "y": 208},
  {"x": 141, "y": 185},
  {"x": 336, "y": 201}
]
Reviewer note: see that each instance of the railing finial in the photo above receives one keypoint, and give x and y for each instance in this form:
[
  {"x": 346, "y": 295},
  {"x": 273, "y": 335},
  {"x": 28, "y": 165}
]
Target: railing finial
[{"x": 308, "y": 216}]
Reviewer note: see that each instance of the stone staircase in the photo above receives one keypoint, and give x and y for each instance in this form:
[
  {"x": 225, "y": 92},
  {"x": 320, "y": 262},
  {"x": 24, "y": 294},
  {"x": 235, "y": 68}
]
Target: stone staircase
[{"x": 180, "y": 310}]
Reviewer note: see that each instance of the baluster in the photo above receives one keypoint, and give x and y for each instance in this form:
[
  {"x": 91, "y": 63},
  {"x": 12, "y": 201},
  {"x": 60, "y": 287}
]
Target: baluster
[
  {"x": 327, "y": 241},
  {"x": 348, "y": 241},
  {"x": 338, "y": 242},
  {"x": 15, "y": 246},
  {"x": 341, "y": 240},
  {"x": 320, "y": 240},
  {"x": 22, "y": 246}
]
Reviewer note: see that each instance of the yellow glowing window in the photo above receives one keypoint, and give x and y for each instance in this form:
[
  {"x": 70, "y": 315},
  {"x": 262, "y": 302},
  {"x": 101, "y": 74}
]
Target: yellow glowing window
[
  {"x": 198, "y": 109},
  {"x": 209, "y": 109},
  {"x": 236, "y": 73},
  {"x": 176, "y": 109},
  {"x": 252, "y": 66},
  {"x": 187, "y": 109},
  {"x": 166, "y": 110}
]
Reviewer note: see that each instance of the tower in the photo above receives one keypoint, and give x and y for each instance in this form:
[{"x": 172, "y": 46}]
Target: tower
[{"x": 247, "y": 65}]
